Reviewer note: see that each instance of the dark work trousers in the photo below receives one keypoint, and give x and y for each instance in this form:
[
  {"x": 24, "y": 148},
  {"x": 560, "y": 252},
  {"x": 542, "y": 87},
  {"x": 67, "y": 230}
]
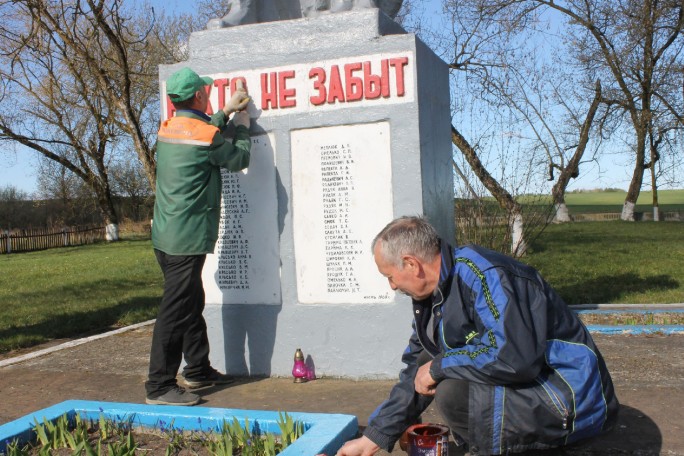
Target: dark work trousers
[
  {"x": 451, "y": 398},
  {"x": 180, "y": 330}
]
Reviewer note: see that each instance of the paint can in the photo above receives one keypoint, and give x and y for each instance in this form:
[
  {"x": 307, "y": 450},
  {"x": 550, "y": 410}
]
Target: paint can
[{"x": 428, "y": 440}]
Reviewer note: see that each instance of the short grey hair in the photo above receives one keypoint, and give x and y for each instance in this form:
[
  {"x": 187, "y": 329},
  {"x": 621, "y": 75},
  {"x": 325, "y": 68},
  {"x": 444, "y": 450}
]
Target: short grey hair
[{"x": 407, "y": 235}]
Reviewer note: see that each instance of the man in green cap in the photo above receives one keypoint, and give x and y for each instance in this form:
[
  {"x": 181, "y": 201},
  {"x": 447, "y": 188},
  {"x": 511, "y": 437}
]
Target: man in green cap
[{"x": 190, "y": 154}]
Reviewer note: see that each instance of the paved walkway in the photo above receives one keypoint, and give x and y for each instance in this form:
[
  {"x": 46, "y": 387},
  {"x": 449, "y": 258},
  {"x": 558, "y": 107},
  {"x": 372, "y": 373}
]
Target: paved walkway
[{"x": 648, "y": 371}]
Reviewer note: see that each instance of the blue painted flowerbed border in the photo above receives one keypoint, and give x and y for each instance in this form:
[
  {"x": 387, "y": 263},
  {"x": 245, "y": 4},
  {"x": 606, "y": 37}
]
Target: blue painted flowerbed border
[
  {"x": 630, "y": 329},
  {"x": 324, "y": 433}
]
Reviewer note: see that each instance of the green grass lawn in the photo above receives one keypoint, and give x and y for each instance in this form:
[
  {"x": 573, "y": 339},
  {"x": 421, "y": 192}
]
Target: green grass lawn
[
  {"x": 69, "y": 292},
  {"x": 66, "y": 292},
  {"x": 613, "y": 262}
]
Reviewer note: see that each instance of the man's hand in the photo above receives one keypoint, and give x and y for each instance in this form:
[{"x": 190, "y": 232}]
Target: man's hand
[
  {"x": 238, "y": 101},
  {"x": 241, "y": 118},
  {"x": 363, "y": 446},
  {"x": 424, "y": 383}
]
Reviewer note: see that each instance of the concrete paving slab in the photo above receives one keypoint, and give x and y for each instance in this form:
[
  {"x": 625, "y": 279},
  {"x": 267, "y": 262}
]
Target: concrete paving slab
[{"x": 648, "y": 371}]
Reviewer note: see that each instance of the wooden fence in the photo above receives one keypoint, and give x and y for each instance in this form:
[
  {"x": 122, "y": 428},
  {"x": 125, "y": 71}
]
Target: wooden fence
[{"x": 31, "y": 240}]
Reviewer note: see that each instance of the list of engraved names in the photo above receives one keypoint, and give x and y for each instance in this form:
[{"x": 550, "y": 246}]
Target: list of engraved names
[
  {"x": 244, "y": 268},
  {"x": 234, "y": 254},
  {"x": 342, "y": 197},
  {"x": 341, "y": 246}
]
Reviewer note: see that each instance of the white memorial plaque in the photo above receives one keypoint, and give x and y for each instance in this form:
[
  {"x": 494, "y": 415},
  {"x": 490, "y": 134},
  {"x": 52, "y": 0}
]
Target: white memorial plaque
[
  {"x": 342, "y": 197},
  {"x": 245, "y": 265}
]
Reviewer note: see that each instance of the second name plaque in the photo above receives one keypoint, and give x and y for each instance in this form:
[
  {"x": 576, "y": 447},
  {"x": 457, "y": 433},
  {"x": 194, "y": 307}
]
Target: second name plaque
[
  {"x": 342, "y": 197},
  {"x": 245, "y": 265}
]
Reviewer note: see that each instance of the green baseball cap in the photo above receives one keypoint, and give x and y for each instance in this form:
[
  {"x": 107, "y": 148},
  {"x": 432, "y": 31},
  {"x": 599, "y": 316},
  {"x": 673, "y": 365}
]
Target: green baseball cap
[{"x": 183, "y": 84}]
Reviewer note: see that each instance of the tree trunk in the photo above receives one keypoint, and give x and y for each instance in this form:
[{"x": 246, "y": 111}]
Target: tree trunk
[
  {"x": 111, "y": 219},
  {"x": 628, "y": 211},
  {"x": 637, "y": 179},
  {"x": 572, "y": 169},
  {"x": 656, "y": 208},
  {"x": 654, "y": 178},
  {"x": 112, "y": 232},
  {"x": 504, "y": 198},
  {"x": 463, "y": 177},
  {"x": 518, "y": 244},
  {"x": 562, "y": 214}
]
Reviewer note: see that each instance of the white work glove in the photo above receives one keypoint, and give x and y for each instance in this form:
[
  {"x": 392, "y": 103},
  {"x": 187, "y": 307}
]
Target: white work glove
[
  {"x": 241, "y": 118},
  {"x": 238, "y": 101}
]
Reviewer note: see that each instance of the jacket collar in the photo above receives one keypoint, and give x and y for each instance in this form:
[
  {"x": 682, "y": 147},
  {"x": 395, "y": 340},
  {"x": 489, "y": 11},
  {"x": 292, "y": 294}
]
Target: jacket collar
[
  {"x": 446, "y": 270},
  {"x": 193, "y": 113},
  {"x": 423, "y": 308}
]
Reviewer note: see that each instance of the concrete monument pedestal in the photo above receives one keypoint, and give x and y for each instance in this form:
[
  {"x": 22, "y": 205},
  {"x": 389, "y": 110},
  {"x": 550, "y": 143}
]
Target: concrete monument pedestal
[{"x": 350, "y": 124}]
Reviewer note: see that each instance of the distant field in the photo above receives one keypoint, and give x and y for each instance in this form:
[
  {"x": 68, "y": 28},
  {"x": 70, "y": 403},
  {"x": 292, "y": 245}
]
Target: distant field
[
  {"x": 609, "y": 201},
  {"x": 668, "y": 200}
]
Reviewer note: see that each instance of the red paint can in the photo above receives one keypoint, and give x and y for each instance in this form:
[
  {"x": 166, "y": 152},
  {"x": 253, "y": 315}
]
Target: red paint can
[{"x": 428, "y": 440}]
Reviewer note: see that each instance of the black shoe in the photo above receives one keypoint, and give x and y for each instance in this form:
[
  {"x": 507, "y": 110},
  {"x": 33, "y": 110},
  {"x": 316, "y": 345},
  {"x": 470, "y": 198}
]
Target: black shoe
[
  {"x": 175, "y": 396},
  {"x": 213, "y": 378}
]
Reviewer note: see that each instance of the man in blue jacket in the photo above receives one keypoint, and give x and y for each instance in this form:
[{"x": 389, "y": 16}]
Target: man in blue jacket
[{"x": 510, "y": 367}]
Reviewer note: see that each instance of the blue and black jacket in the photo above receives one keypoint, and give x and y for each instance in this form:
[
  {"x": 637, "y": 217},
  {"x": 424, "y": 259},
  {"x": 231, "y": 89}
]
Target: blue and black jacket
[{"x": 537, "y": 380}]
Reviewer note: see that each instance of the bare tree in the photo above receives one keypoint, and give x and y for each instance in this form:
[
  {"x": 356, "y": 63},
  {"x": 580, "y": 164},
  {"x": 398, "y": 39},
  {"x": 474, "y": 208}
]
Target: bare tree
[
  {"x": 78, "y": 82},
  {"x": 505, "y": 199},
  {"x": 498, "y": 77},
  {"x": 570, "y": 169},
  {"x": 633, "y": 46},
  {"x": 130, "y": 184},
  {"x": 558, "y": 130},
  {"x": 68, "y": 200},
  {"x": 12, "y": 213},
  {"x": 662, "y": 143}
]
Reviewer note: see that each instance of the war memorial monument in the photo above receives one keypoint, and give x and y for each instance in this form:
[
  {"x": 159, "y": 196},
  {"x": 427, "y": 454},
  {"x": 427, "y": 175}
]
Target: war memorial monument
[{"x": 350, "y": 128}]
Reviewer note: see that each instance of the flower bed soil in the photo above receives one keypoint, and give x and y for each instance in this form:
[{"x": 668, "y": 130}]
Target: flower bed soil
[
  {"x": 624, "y": 318},
  {"x": 149, "y": 443}
]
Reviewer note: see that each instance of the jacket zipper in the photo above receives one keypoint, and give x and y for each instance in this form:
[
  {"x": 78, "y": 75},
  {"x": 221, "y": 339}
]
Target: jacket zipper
[
  {"x": 417, "y": 329},
  {"x": 557, "y": 402}
]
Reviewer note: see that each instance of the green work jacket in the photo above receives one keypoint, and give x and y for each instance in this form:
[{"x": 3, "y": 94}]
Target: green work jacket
[{"x": 190, "y": 154}]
